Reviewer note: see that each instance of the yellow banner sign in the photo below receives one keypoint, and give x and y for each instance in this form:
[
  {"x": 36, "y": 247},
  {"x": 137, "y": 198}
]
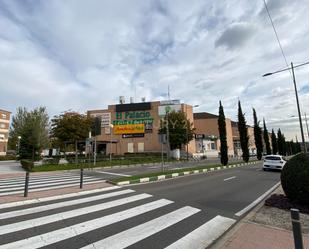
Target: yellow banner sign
[{"x": 129, "y": 129}]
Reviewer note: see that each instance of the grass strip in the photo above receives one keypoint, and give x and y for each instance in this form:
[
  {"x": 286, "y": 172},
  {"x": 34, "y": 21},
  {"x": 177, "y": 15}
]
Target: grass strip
[
  {"x": 106, "y": 163},
  {"x": 168, "y": 173}
]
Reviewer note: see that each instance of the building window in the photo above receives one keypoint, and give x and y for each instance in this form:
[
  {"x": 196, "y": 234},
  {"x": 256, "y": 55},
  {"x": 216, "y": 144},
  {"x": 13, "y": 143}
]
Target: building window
[
  {"x": 140, "y": 147},
  {"x": 2, "y": 136},
  {"x": 209, "y": 145},
  {"x": 212, "y": 145},
  {"x": 3, "y": 115},
  {"x": 130, "y": 148},
  {"x": 2, "y": 126}
]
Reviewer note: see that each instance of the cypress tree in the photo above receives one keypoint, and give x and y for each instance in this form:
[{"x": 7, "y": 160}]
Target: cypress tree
[
  {"x": 274, "y": 142},
  {"x": 266, "y": 139},
  {"x": 243, "y": 134},
  {"x": 257, "y": 136},
  {"x": 285, "y": 148},
  {"x": 294, "y": 147},
  {"x": 222, "y": 134},
  {"x": 279, "y": 141}
]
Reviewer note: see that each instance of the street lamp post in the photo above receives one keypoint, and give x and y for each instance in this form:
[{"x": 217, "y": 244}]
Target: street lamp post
[
  {"x": 111, "y": 142},
  {"x": 19, "y": 137},
  {"x": 296, "y": 95}
]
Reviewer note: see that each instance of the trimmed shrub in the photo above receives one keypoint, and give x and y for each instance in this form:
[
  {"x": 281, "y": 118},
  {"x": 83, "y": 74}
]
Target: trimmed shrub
[
  {"x": 51, "y": 160},
  {"x": 27, "y": 164},
  {"x": 295, "y": 178},
  {"x": 7, "y": 157}
]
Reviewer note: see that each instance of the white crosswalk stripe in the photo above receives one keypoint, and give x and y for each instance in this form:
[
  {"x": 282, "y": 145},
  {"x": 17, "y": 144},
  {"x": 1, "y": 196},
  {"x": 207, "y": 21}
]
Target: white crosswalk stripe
[
  {"x": 60, "y": 219},
  {"x": 135, "y": 234},
  {"x": 5, "y": 229},
  {"x": 47, "y": 180},
  {"x": 40, "y": 182},
  {"x": 204, "y": 235},
  {"x": 26, "y": 211}
]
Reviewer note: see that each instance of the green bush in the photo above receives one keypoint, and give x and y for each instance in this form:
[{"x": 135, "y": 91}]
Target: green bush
[
  {"x": 27, "y": 164},
  {"x": 54, "y": 160},
  {"x": 295, "y": 178},
  {"x": 7, "y": 157}
]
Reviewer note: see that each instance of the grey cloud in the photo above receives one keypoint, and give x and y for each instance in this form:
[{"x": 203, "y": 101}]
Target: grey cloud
[{"x": 235, "y": 36}]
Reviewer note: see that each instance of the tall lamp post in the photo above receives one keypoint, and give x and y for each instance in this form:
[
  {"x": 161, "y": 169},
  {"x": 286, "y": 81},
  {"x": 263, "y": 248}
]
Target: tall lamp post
[
  {"x": 111, "y": 126},
  {"x": 296, "y": 95},
  {"x": 19, "y": 137}
]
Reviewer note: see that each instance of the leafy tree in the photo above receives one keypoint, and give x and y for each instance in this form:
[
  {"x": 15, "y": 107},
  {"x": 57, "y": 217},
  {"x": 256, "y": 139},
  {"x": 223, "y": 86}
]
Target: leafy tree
[
  {"x": 243, "y": 134},
  {"x": 180, "y": 129},
  {"x": 266, "y": 138},
  {"x": 70, "y": 127},
  {"x": 18, "y": 121},
  {"x": 274, "y": 142},
  {"x": 257, "y": 136},
  {"x": 32, "y": 127},
  {"x": 222, "y": 134}
]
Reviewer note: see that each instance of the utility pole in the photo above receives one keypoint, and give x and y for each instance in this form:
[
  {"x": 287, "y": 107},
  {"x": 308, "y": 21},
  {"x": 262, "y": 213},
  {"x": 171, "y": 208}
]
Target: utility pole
[
  {"x": 298, "y": 109},
  {"x": 167, "y": 136},
  {"x": 307, "y": 125},
  {"x": 296, "y": 95}
]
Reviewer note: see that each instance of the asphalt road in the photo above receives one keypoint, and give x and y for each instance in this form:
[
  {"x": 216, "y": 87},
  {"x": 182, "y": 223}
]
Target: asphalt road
[
  {"x": 153, "y": 215},
  {"x": 10, "y": 167},
  {"x": 110, "y": 173},
  {"x": 222, "y": 193}
]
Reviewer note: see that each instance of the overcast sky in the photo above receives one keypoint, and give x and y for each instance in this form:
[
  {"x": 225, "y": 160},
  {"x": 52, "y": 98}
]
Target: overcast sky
[{"x": 84, "y": 54}]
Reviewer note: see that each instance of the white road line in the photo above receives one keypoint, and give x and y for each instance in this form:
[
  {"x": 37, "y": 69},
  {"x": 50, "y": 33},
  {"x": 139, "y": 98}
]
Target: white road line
[
  {"x": 33, "y": 183},
  {"x": 31, "y": 223},
  {"x": 84, "y": 227},
  {"x": 48, "y": 188},
  {"x": 33, "y": 210},
  {"x": 111, "y": 173},
  {"x": 230, "y": 178},
  {"x": 140, "y": 232},
  {"x": 204, "y": 235},
  {"x": 257, "y": 201},
  {"x": 44, "y": 184},
  {"x": 56, "y": 197}
]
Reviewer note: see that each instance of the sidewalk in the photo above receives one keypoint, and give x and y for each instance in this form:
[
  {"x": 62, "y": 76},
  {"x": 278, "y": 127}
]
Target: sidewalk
[
  {"x": 265, "y": 227},
  {"x": 255, "y": 236}
]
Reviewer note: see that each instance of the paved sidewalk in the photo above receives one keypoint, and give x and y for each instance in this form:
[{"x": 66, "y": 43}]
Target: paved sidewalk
[{"x": 255, "y": 236}]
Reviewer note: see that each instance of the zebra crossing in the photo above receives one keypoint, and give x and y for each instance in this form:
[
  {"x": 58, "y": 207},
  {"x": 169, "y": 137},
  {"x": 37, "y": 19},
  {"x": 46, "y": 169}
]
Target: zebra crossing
[
  {"x": 112, "y": 217},
  {"x": 40, "y": 182}
]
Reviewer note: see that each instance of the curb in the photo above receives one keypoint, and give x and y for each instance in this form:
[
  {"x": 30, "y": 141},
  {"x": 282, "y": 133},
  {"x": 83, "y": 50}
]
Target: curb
[{"x": 174, "y": 175}]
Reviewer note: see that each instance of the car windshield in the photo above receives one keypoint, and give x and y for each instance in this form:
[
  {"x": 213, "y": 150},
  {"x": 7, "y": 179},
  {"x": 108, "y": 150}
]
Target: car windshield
[{"x": 272, "y": 158}]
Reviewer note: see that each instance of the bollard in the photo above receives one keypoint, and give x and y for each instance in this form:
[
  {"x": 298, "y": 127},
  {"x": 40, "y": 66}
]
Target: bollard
[
  {"x": 26, "y": 184},
  {"x": 298, "y": 240},
  {"x": 81, "y": 178}
]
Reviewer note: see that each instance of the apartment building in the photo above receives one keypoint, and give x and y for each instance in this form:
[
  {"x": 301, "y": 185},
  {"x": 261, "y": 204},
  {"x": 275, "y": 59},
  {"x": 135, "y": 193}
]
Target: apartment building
[
  {"x": 207, "y": 134},
  {"x": 4, "y": 130}
]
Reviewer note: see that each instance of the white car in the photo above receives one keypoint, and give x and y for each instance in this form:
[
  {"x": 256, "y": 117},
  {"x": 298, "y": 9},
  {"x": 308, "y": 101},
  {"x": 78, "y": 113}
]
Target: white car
[{"x": 274, "y": 162}]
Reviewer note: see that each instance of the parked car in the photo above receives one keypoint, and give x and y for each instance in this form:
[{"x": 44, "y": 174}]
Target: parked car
[{"x": 274, "y": 162}]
